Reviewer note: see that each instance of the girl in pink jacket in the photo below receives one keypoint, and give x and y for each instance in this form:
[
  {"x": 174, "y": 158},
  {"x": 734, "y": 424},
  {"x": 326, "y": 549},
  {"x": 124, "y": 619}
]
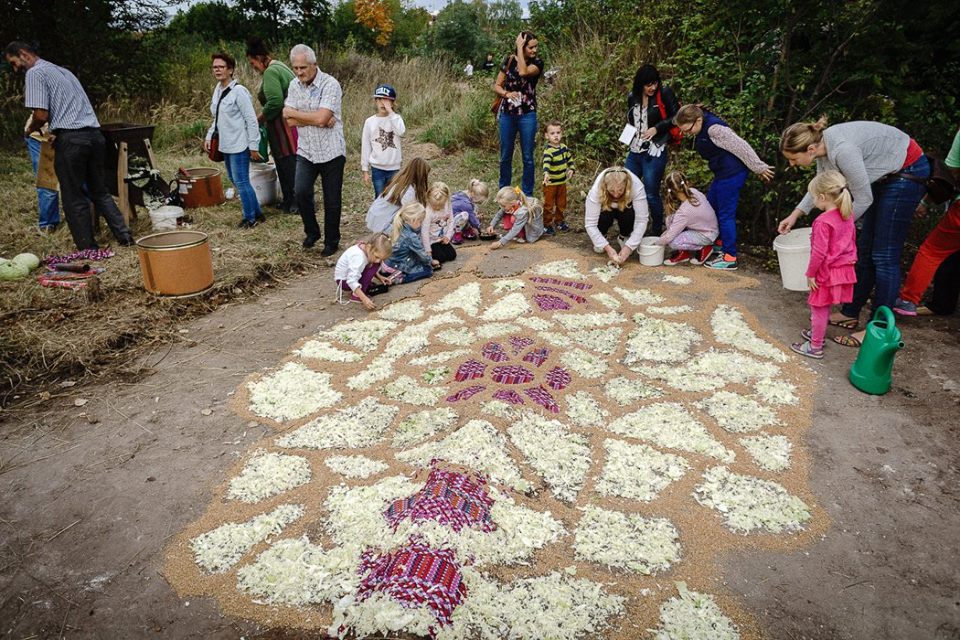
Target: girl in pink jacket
[
  {"x": 833, "y": 254},
  {"x": 691, "y": 222}
]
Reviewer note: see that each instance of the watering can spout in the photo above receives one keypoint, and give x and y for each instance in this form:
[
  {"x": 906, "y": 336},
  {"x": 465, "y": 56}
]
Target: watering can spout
[{"x": 872, "y": 372}]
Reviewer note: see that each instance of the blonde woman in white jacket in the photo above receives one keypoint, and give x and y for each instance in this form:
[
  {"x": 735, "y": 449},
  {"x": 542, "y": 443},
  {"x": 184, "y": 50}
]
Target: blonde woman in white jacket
[{"x": 617, "y": 195}]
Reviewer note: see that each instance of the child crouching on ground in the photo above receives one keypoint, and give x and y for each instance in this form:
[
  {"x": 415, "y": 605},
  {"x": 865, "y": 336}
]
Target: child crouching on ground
[
  {"x": 437, "y": 229},
  {"x": 520, "y": 216},
  {"x": 357, "y": 268},
  {"x": 833, "y": 254},
  {"x": 466, "y": 218},
  {"x": 691, "y": 222},
  {"x": 408, "y": 261}
]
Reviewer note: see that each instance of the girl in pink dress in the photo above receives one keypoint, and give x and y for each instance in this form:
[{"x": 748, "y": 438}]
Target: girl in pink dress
[{"x": 833, "y": 254}]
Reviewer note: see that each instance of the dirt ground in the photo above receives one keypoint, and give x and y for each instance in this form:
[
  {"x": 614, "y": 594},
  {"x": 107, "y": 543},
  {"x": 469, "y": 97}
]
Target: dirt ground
[{"x": 96, "y": 480}]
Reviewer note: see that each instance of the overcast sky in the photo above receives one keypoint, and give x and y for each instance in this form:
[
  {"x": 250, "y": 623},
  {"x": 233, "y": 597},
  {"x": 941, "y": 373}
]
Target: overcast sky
[{"x": 436, "y": 5}]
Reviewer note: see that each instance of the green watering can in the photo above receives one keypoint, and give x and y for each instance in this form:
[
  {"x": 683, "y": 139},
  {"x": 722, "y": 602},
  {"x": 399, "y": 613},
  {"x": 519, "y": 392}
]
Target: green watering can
[{"x": 872, "y": 371}]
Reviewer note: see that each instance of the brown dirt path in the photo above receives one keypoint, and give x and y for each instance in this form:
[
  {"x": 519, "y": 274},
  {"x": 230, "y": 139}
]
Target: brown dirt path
[{"x": 92, "y": 493}]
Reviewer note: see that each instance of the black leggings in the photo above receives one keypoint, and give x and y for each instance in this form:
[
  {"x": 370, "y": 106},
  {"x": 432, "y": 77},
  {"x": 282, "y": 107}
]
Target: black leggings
[
  {"x": 624, "y": 220},
  {"x": 443, "y": 252}
]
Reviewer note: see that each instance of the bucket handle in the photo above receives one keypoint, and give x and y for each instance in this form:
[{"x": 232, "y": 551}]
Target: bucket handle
[{"x": 887, "y": 318}]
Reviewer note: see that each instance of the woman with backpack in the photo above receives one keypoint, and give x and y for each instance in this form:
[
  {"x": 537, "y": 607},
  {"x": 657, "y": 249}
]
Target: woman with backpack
[{"x": 651, "y": 107}]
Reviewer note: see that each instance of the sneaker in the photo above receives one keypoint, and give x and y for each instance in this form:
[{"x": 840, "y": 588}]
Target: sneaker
[
  {"x": 247, "y": 224},
  {"x": 806, "y": 334},
  {"x": 563, "y": 227},
  {"x": 520, "y": 240},
  {"x": 377, "y": 289},
  {"x": 806, "y": 349},
  {"x": 724, "y": 262},
  {"x": 329, "y": 251},
  {"x": 260, "y": 217},
  {"x": 702, "y": 256},
  {"x": 678, "y": 258},
  {"x": 549, "y": 231},
  {"x": 457, "y": 238},
  {"x": 309, "y": 241},
  {"x": 904, "y": 307}
]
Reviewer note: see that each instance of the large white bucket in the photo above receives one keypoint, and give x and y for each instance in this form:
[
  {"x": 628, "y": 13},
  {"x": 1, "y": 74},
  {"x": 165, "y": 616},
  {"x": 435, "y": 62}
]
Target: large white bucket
[
  {"x": 165, "y": 218},
  {"x": 793, "y": 252},
  {"x": 263, "y": 177},
  {"x": 651, "y": 253}
]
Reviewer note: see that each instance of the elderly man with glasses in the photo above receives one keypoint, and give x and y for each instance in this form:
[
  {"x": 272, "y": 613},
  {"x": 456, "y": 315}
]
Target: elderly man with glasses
[{"x": 313, "y": 105}]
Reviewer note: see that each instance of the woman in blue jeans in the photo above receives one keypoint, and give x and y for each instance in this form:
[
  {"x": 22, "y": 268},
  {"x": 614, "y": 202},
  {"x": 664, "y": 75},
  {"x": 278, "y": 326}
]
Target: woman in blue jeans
[
  {"x": 235, "y": 123},
  {"x": 650, "y": 108},
  {"x": 885, "y": 169},
  {"x": 516, "y": 84}
]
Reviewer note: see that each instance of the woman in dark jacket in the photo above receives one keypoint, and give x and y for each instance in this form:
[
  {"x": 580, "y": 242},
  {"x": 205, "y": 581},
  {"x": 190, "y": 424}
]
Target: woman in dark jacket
[{"x": 650, "y": 108}]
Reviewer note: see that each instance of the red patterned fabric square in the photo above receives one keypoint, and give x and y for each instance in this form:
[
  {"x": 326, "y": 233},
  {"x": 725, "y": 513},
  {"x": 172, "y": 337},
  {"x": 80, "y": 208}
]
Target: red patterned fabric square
[
  {"x": 494, "y": 351},
  {"x": 537, "y": 356},
  {"x": 542, "y": 397},
  {"x": 581, "y": 286},
  {"x": 573, "y": 296},
  {"x": 469, "y": 370},
  {"x": 558, "y": 378},
  {"x": 519, "y": 343},
  {"x": 451, "y": 498},
  {"x": 508, "y": 395},
  {"x": 512, "y": 374},
  {"x": 548, "y": 302},
  {"x": 466, "y": 393}
]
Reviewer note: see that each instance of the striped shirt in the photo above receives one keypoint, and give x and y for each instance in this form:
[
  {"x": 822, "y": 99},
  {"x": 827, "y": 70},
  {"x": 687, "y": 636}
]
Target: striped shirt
[
  {"x": 58, "y": 92},
  {"x": 319, "y": 144},
  {"x": 556, "y": 162}
]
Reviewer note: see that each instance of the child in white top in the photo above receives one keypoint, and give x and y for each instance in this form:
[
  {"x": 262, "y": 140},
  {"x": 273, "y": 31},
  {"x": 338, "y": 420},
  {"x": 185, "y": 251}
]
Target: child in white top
[
  {"x": 357, "y": 269},
  {"x": 520, "y": 216},
  {"x": 437, "y": 229},
  {"x": 380, "y": 155},
  {"x": 691, "y": 222}
]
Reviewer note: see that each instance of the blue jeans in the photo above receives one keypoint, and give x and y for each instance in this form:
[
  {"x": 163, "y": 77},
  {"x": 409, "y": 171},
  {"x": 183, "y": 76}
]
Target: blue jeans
[
  {"x": 413, "y": 276},
  {"x": 509, "y": 126},
  {"x": 724, "y": 195},
  {"x": 380, "y": 179},
  {"x": 650, "y": 170},
  {"x": 48, "y": 202},
  {"x": 238, "y": 170},
  {"x": 880, "y": 240}
]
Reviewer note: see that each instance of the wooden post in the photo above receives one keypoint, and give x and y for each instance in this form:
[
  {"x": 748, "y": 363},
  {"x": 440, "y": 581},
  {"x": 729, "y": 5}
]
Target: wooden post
[{"x": 122, "y": 187}]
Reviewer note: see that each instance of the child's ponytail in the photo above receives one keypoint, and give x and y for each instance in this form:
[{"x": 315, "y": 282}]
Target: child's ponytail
[
  {"x": 673, "y": 185},
  {"x": 833, "y": 186}
]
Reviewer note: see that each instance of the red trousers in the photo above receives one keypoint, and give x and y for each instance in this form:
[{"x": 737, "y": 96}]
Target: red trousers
[
  {"x": 554, "y": 203},
  {"x": 942, "y": 242}
]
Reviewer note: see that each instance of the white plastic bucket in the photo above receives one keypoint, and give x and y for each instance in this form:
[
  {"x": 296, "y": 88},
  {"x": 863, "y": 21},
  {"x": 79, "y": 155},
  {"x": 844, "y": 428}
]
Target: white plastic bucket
[
  {"x": 651, "y": 253},
  {"x": 793, "y": 252},
  {"x": 263, "y": 177},
  {"x": 165, "y": 218}
]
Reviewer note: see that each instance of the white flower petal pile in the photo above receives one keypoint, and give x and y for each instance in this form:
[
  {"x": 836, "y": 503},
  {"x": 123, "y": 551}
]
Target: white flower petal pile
[
  {"x": 436, "y": 375},
  {"x": 587, "y": 364},
  {"x": 459, "y": 335},
  {"x": 776, "y": 391},
  {"x": 583, "y": 410},
  {"x": 508, "y": 307},
  {"x": 556, "y": 339},
  {"x": 466, "y": 297},
  {"x": 638, "y": 471},
  {"x": 419, "y": 426},
  {"x": 501, "y": 286},
  {"x": 626, "y": 391},
  {"x": 360, "y": 425},
  {"x": 606, "y": 273},
  {"x": 362, "y": 334},
  {"x": 438, "y": 358},
  {"x": 729, "y": 327},
  {"x": 292, "y": 392},
  {"x": 737, "y": 413},
  {"x": 639, "y": 296},
  {"x": 500, "y": 409},
  {"x": 604, "y": 341},
  {"x": 659, "y": 340},
  {"x": 379, "y": 369},
  {"x": 670, "y": 311},
  {"x": 494, "y": 329},
  {"x": 322, "y": 350},
  {"x": 574, "y": 321},
  {"x": 560, "y": 457},
  {"x": 677, "y": 279},
  {"x": 268, "y": 474},
  {"x": 770, "y": 452},
  {"x": 355, "y": 466},
  {"x": 693, "y": 616},
  {"x": 406, "y": 389},
  {"x": 626, "y": 541},
  {"x": 607, "y": 300},
  {"x": 670, "y": 425},
  {"x": 747, "y": 503},
  {"x": 711, "y": 370},
  {"x": 404, "y": 311},
  {"x": 218, "y": 550},
  {"x": 297, "y": 573},
  {"x": 477, "y": 445},
  {"x": 536, "y": 323},
  {"x": 560, "y": 268}
]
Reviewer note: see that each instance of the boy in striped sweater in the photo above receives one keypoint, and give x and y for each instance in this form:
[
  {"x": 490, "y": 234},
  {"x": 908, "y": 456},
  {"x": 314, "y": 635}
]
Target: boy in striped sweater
[{"x": 557, "y": 169}]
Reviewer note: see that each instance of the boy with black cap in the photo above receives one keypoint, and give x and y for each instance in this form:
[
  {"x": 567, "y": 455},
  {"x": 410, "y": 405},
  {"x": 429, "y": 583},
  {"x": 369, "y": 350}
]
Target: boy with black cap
[{"x": 380, "y": 143}]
